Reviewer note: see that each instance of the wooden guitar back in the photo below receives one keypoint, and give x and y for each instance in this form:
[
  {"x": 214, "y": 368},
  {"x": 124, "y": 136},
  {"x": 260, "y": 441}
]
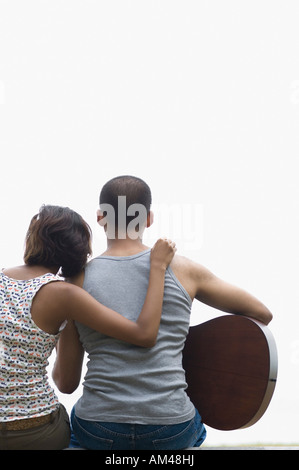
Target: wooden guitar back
[{"x": 231, "y": 370}]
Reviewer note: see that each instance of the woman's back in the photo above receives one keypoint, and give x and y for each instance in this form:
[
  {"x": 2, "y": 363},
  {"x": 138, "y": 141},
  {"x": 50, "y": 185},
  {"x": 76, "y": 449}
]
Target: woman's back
[{"x": 24, "y": 352}]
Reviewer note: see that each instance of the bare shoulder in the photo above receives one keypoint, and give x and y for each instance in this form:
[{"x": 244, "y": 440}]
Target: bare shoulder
[
  {"x": 57, "y": 287},
  {"x": 189, "y": 273},
  {"x": 189, "y": 267},
  {"x": 51, "y": 304},
  {"x": 56, "y": 294}
]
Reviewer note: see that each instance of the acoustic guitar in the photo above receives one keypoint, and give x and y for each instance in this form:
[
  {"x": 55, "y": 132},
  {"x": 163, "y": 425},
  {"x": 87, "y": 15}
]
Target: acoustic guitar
[{"x": 231, "y": 370}]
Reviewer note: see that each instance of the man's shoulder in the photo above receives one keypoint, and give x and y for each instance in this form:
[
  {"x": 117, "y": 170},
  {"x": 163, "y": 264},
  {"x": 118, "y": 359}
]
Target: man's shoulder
[
  {"x": 187, "y": 272},
  {"x": 184, "y": 264},
  {"x": 190, "y": 273}
]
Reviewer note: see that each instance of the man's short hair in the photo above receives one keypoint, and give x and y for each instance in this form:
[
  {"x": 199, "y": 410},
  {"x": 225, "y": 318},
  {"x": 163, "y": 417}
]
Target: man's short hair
[{"x": 135, "y": 191}]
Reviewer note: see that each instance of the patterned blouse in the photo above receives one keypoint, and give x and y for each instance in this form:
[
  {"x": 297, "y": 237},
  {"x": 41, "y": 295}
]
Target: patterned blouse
[{"x": 24, "y": 351}]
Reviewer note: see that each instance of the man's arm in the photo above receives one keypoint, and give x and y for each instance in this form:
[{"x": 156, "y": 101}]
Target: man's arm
[
  {"x": 228, "y": 298},
  {"x": 213, "y": 291}
]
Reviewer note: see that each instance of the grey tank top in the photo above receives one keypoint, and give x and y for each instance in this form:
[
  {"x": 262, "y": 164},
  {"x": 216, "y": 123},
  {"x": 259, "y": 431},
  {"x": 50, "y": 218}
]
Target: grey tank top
[{"x": 127, "y": 383}]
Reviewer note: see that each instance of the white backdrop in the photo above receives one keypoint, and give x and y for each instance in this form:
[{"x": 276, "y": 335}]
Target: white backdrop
[{"x": 199, "y": 98}]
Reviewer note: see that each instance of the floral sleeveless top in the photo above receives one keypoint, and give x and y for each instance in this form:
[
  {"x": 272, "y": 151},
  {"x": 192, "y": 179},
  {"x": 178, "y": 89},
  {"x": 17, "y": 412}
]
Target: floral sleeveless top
[{"x": 24, "y": 351}]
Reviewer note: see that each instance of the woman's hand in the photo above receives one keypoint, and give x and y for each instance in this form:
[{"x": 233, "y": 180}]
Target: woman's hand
[{"x": 162, "y": 253}]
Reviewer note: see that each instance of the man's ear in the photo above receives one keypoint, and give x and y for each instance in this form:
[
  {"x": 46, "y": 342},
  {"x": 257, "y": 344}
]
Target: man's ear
[
  {"x": 101, "y": 218},
  {"x": 149, "y": 219}
]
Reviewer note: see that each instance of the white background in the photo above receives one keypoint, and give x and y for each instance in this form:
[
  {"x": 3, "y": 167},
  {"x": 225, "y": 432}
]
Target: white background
[{"x": 199, "y": 98}]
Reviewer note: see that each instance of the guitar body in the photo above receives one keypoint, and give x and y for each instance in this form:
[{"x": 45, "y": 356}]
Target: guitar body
[{"x": 231, "y": 369}]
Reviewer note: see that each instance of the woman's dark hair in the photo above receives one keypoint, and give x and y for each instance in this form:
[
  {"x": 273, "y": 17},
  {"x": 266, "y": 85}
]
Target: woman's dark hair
[{"x": 58, "y": 236}]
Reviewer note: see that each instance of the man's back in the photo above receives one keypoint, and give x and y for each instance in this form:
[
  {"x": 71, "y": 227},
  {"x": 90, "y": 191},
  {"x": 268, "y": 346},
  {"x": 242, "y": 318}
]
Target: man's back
[{"x": 125, "y": 383}]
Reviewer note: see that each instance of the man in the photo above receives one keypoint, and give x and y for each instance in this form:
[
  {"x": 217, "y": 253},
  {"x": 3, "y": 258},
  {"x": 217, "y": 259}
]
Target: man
[{"x": 135, "y": 398}]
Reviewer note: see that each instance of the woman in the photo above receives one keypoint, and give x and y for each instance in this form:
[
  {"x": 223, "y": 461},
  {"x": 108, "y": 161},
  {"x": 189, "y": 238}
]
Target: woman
[{"x": 34, "y": 307}]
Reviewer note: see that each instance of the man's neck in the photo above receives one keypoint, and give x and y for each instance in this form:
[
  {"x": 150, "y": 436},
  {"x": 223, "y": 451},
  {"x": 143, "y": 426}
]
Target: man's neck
[{"x": 124, "y": 247}]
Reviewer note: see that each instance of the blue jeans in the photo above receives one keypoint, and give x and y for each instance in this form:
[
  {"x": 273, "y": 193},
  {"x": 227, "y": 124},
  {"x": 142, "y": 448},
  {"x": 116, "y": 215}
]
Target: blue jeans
[{"x": 123, "y": 436}]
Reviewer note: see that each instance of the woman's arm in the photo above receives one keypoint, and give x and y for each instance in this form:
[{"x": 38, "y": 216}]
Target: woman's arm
[
  {"x": 60, "y": 300},
  {"x": 85, "y": 309}
]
